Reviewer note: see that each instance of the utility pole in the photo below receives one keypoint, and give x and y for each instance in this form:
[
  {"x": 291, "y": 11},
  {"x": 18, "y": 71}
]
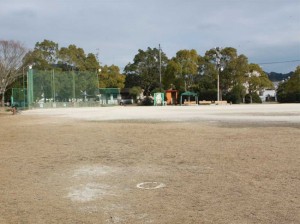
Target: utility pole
[
  {"x": 218, "y": 60},
  {"x": 159, "y": 67}
]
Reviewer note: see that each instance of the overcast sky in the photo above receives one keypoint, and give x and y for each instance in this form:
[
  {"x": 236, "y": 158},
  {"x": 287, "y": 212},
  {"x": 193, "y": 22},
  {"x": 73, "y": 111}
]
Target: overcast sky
[{"x": 263, "y": 30}]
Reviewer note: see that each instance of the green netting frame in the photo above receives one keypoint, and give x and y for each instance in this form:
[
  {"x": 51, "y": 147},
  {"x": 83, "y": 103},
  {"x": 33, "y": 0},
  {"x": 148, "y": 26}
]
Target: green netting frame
[
  {"x": 19, "y": 97},
  {"x": 56, "y": 88}
]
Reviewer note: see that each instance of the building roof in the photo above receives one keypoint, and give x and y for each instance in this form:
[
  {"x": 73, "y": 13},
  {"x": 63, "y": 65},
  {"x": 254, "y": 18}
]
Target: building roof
[
  {"x": 188, "y": 93},
  {"x": 109, "y": 90}
]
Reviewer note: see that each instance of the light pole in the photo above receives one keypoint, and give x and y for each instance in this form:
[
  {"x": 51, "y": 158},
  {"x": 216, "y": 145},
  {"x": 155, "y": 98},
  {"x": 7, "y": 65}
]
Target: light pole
[
  {"x": 218, "y": 57},
  {"x": 73, "y": 85},
  {"x": 159, "y": 67},
  {"x": 29, "y": 87},
  {"x": 23, "y": 85},
  {"x": 218, "y": 84},
  {"x": 99, "y": 71},
  {"x": 53, "y": 83},
  {"x": 98, "y": 85}
]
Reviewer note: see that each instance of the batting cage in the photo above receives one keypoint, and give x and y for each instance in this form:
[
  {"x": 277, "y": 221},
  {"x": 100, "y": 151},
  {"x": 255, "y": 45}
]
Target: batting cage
[
  {"x": 19, "y": 97},
  {"x": 48, "y": 89}
]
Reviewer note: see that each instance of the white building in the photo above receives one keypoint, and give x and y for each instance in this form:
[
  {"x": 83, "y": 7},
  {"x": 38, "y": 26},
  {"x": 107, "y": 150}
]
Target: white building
[{"x": 268, "y": 95}]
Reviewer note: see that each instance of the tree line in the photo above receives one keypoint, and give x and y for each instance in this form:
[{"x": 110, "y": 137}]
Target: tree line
[
  {"x": 188, "y": 71},
  {"x": 288, "y": 90},
  {"x": 151, "y": 70}
]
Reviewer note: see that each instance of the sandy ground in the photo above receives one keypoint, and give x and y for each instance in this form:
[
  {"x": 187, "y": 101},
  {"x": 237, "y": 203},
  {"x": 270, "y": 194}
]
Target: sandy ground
[{"x": 196, "y": 164}]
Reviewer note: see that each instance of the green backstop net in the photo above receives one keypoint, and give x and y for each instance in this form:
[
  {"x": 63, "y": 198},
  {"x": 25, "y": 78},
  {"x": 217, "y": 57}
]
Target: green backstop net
[
  {"x": 62, "y": 89},
  {"x": 19, "y": 97}
]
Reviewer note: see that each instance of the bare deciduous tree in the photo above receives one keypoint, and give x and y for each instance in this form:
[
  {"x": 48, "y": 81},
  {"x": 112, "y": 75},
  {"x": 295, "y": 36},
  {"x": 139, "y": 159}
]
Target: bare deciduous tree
[{"x": 11, "y": 56}]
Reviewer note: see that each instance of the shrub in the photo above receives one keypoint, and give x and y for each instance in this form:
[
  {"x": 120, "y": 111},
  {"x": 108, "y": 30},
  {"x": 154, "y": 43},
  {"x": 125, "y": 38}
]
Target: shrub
[{"x": 255, "y": 98}]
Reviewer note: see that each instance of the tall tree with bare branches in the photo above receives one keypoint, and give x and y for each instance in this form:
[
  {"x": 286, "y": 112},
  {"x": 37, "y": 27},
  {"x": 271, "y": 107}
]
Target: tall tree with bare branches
[{"x": 11, "y": 56}]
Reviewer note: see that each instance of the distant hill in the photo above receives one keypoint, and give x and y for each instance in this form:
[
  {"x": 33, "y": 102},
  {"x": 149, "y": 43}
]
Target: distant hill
[{"x": 276, "y": 77}]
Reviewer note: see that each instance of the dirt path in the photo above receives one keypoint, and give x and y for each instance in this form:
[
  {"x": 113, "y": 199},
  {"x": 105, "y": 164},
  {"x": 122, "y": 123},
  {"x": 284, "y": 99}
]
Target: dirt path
[{"x": 60, "y": 170}]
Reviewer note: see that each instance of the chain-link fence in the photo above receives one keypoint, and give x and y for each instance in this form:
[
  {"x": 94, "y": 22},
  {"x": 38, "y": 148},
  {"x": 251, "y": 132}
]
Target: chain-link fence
[
  {"x": 48, "y": 89},
  {"x": 19, "y": 97}
]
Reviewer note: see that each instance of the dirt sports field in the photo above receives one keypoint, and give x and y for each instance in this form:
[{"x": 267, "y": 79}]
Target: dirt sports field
[{"x": 235, "y": 164}]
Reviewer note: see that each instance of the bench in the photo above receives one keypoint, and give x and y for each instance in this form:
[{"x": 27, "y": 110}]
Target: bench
[
  {"x": 204, "y": 102},
  {"x": 187, "y": 103},
  {"x": 224, "y": 102}
]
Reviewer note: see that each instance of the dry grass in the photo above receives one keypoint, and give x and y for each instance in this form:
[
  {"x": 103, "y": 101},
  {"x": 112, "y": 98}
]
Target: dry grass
[{"x": 60, "y": 170}]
